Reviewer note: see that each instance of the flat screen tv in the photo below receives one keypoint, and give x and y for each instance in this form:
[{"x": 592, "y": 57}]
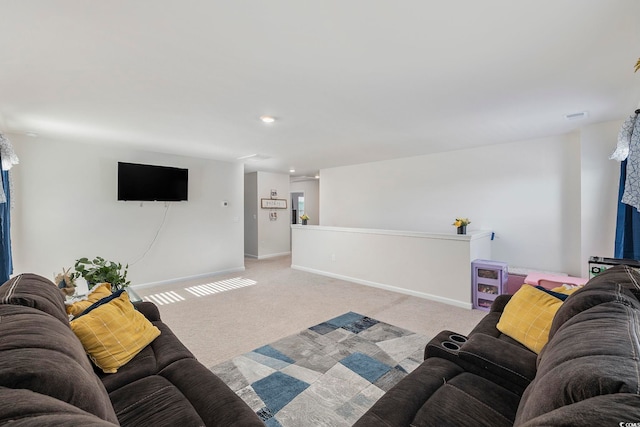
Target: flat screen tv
[{"x": 152, "y": 183}]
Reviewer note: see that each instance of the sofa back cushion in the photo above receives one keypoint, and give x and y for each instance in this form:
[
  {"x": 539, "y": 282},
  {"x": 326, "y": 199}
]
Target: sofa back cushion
[
  {"x": 592, "y": 351},
  {"x": 620, "y": 283},
  {"x": 39, "y": 351},
  {"x": 32, "y": 290}
]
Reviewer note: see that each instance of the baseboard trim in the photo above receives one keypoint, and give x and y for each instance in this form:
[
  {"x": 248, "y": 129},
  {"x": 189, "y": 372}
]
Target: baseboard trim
[
  {"x": 431, "y": 297},
  {"x": 273, "y": 255},
  {"x": 267, "y": 256},
  {"x": 194, "y": 277}
]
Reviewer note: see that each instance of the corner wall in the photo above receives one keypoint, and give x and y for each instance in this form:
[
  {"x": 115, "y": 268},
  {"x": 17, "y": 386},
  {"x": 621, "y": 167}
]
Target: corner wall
[{"x": 66, "y": 208}]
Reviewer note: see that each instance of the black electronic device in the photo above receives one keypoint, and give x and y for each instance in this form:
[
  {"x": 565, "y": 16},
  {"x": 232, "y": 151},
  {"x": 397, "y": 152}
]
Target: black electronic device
[{"x": 139, "y": 182}]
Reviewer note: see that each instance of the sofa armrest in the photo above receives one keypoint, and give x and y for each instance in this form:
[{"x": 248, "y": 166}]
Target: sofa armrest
[
  {"x": 148, "y": 309},
  {"x": 499, "y": 358}
]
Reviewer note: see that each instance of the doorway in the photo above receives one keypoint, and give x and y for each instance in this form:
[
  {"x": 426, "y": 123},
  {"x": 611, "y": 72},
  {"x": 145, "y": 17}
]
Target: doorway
[{"x": 297, "y": 206}]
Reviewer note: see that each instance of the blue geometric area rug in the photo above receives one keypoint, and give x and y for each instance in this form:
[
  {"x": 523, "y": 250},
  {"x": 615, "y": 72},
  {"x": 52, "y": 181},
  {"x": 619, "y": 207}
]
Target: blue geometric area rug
[{"x": 327, "y": 375}]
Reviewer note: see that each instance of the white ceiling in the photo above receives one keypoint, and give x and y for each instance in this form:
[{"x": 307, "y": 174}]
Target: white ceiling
[{"x": 349, "y": 81}]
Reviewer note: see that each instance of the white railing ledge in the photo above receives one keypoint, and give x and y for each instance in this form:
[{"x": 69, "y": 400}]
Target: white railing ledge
[{"x": 471, "y": 234}]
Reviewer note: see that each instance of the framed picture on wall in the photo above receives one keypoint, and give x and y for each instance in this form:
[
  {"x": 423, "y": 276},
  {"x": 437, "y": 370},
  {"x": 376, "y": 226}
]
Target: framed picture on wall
[{"x": 273, "y": 203}]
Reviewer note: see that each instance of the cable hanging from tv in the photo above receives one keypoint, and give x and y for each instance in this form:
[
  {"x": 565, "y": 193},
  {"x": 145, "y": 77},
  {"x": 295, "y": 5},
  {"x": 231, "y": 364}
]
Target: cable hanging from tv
[{"x": 164, "y": 218}]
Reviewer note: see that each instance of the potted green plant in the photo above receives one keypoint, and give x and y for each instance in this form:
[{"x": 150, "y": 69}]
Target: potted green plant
[{"x": 99, "y": 270}]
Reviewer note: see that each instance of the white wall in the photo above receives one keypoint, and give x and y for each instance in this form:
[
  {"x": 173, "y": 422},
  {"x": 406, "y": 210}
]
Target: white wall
[
  {"x": 599, "y": 191},
  {"x": 251, "y": 204},
  {"x": 311, "y": 190},
  {"x": 408, "y": 262},
  {"x": 268, "y": 238},
  {"x": 66, "y": 208},
  {"x": 551, "y": 203},
  {"x": 528, "y": 193}
]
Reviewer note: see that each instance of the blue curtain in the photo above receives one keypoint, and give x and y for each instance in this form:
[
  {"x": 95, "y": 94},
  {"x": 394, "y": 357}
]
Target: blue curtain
[
  {"x": 627, "y": 224},
  {"x": 6, "y": 260}
]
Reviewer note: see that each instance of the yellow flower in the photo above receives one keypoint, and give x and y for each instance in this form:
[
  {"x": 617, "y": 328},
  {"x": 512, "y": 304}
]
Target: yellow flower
[{"x": 459, "y": 222}]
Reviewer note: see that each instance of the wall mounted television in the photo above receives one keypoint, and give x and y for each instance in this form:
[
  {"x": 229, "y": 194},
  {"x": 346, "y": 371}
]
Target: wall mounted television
[{"x": 138, "y": 182}]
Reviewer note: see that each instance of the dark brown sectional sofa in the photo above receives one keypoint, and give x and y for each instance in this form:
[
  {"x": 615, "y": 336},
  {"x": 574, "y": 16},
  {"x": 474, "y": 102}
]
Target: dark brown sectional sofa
[
  {"x": 588, "y": 374},
  {"x": 46, "y": 378}
]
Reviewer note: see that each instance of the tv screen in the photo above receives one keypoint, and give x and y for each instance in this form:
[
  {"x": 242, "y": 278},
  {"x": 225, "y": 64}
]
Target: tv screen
[{"x": 152, "y": 183}]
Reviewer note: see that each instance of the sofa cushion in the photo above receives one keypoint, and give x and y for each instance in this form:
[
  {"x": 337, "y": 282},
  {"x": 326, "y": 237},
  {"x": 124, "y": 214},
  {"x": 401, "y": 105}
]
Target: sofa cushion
[
  {"x": 399, "y": 405},
  {"x": 509, "y": 365},
  {"x": 528, "y": 315},
  {"x": 113, "y": 332},
  {"x": 581, "y": 362},
  {"x": 620, "y": 283},
  {"x": 209, "y": 401},
  {"x": 32, "y": 290},
  {"x": 487, "y": 324},
  {"x": 153, "y": 401},
  {"x": 162, "y": 351},
  {"x": 485, "y": 404},
  {"x": 505, "y": 361},
  {"x": 441, "y": 393},
  {"x": 212, "y": 399},
  {"x": 55, "y": 366},
  {"x": 148, "y": 309},
  {"x": 27, "y": 408},
  {"x": 621, "y": 409},
  {"x": 183, "y": 394}
]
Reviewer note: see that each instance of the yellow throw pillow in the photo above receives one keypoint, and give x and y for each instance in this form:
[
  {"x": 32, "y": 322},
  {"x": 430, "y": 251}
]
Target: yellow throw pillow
[
  {"x": 113, "y": 333},
  {"x": 527, "y": 317},
  {"x": 98, "y": 292}
]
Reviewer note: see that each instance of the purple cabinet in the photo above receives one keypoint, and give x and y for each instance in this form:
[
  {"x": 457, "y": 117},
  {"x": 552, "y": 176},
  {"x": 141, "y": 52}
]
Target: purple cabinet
[{"x": 488, "y": 280}]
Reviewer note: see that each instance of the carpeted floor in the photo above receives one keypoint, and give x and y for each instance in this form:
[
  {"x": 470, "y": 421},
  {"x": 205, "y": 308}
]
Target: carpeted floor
[
  {"x": 270, "y": 300},
  {"x": 326, "y": 375}
]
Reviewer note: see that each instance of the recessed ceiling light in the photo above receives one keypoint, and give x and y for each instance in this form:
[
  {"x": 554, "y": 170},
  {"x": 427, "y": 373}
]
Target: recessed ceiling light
[
  {"x": 292, "y": 170},
  {"x": 267, "y": 119},
  {"x": 576, "y": 116},
  {"x": 317, "y": 176}
]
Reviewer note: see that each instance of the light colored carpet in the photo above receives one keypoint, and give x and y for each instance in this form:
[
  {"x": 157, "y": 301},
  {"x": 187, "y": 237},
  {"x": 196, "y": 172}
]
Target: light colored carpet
[{"x": 219, "y": 326}]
